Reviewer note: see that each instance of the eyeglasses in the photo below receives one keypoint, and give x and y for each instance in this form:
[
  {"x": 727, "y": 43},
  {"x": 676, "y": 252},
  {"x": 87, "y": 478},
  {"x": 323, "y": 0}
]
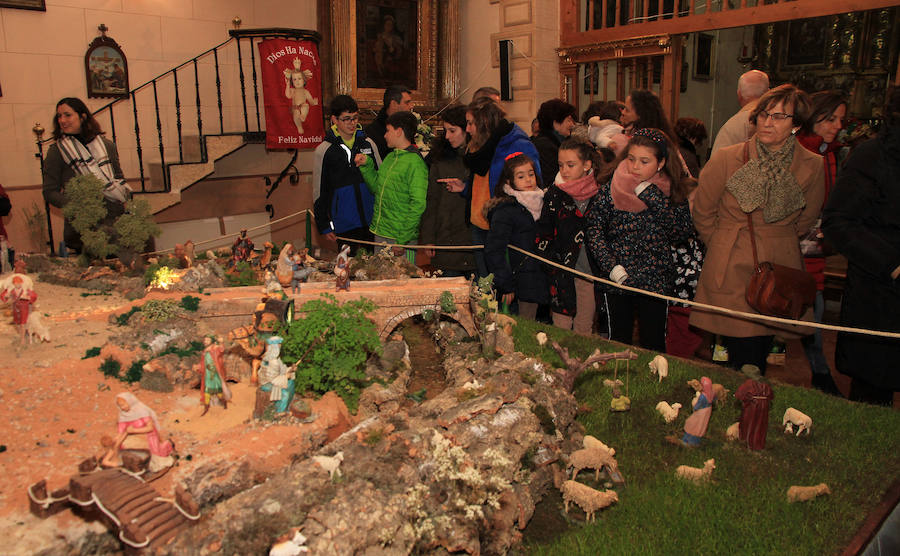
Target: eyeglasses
[
  {"x": 777, "y": 116},
  {"x": 348, "y": 119}
]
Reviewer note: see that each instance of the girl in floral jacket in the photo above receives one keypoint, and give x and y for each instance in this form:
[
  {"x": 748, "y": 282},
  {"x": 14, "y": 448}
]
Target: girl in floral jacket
[{"x": 639, "y": 213}]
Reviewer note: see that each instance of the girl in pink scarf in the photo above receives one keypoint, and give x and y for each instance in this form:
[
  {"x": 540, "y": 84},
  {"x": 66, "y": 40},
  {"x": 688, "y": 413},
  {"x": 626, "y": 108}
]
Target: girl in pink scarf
[{"x": 562, "y": 236}]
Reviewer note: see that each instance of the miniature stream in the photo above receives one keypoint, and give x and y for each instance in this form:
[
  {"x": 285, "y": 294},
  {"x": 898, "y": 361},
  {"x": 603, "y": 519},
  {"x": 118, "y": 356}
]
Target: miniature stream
[{"x": 427, "y": 378}]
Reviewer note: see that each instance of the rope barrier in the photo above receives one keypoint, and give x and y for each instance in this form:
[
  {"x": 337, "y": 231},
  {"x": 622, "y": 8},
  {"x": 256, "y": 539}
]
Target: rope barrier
[
  {"x": 714, "y": 308},
  {"x": 248, "y": 230}
]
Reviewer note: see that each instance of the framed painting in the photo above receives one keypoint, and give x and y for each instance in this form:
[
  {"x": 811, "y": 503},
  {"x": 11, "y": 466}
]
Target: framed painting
[
  {"x": 369, "y": 45},
  {"x": 703, "y": 56},
  {"x": 106, "y": 69},
  {"x": 386, "y": 41},
  {"x": 38, "y": 5},
  {"x": 807, "y": 40}
]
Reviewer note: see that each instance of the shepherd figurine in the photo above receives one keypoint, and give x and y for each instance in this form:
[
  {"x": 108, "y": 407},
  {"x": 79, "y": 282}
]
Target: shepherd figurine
[{"x": 342, "y": 270}]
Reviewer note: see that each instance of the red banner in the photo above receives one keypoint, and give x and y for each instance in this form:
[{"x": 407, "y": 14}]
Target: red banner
[{"x": 292, "y": 93}]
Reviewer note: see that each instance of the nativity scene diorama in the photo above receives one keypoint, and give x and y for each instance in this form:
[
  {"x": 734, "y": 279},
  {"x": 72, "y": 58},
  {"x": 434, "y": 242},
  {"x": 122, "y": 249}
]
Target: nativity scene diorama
[
  {"x": 300, "y": 383},
  {"x": 261, "y": 393}
]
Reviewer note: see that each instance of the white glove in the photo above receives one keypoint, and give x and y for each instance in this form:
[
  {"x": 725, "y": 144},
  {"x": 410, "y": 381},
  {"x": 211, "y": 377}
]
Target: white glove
[
  {"x": 618, "y": 274},
  {"x": 641, "y": 187}
]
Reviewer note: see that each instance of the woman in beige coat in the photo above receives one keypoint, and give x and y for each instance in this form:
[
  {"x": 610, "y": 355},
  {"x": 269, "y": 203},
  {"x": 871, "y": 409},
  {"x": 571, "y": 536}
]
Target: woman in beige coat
[{"x": 782, "y": 186}]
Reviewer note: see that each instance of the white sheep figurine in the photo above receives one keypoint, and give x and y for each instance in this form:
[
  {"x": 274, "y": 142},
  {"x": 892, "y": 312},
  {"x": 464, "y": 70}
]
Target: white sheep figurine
[
  {"x": 591, "y": 459},
  {"x": 659, "y": 366},
  {"x": 794, "y": 417},
  {"x": 696, "y": 474},
  {"x": 669, "y": 412},
  {"x": 592, "y": 443},
  {"x": 803, "y": 494},
  {"x": 331, "y": 464},
  {"x": 587, "y": 498},
  {"x": 35, "y": 329},
  {"x": 291, "y": 546},
  {"x": 733, "y": 432}
]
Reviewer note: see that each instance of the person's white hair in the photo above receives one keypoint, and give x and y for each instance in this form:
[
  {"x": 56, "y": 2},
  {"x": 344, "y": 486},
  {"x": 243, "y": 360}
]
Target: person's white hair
[{"x": 753, "y": 84}]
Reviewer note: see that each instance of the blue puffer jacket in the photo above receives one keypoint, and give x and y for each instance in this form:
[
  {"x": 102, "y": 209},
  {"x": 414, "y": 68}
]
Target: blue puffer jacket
[{"x": 514, "y": 141}]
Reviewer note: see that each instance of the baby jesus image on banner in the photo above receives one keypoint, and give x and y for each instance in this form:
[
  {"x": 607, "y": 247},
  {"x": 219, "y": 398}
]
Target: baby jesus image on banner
[{"x": 292, "y": 92}]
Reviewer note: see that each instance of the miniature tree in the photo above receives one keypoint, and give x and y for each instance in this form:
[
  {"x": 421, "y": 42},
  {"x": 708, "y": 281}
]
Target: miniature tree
[
  {"x": 86, "y": 211},
  {"x": 331, "y": 343},
  {"x": 134, "y": 229}
]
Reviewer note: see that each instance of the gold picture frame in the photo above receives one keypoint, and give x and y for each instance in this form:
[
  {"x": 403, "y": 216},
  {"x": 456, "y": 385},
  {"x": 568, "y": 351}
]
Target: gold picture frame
[{"x": 436, "y": 50}]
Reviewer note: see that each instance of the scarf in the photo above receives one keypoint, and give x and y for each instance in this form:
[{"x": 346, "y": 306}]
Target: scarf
[
  {"x": 622, "y": 186},
  {"x": 767, "y": 182},
  {"x": 479, "y": 162},
  {"x": 531, "y": 200},
  {"x": 93, "y": 159},
  {"x": 136, "y": 410},
  {"x": 580, "y": 189}
]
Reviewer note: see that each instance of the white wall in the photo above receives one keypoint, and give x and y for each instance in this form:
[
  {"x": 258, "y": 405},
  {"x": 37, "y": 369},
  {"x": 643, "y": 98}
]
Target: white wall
[
  {"x": 42, "y": 60},
  {"x": 478, "y": 20}
]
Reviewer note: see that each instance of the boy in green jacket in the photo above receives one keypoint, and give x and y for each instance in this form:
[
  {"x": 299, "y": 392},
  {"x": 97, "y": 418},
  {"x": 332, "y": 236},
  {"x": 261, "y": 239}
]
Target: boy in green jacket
[{"x": 399, "y": 185}]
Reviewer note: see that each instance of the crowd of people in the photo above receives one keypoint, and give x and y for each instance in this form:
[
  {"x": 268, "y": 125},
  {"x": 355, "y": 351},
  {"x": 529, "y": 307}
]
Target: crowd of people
[{"x": 622, "y": 194}]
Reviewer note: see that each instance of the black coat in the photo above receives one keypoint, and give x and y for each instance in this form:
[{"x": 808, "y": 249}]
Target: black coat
[
  {"x": 514, "y": 272},
  {"x": 561, "y": 232},
  {"x": 445, "y": 220},
  {"x": 862, "y": 221},
  {"x": 547, "y": 145},
  {"x": 376, "y": 130}
]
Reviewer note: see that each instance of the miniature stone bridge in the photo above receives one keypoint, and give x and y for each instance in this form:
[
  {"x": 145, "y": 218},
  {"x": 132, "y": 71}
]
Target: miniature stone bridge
[{"x": 396, "y": 301}]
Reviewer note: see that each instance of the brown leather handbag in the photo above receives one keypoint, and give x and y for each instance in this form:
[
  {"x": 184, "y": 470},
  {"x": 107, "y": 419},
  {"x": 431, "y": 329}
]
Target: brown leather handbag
[{"x": 778, "y": 290}]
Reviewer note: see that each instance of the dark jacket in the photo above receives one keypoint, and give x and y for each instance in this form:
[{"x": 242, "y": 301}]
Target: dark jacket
[
  {"x": 512, "y": 224},
  {"x": 376, "y": 130},
  {"x": 561, "y": 232},
  {"x": 689, "y": 154},
  {"x": 341, "y": 199},
  {"x": 56, "y": 173},
  {"x": 547, "y": 145},
  {"x": 5, "y": 208},
  {"x": 639, "y": 241},
  {"x": 445, "y": 221},
  {"x": 862, "y": 221}
]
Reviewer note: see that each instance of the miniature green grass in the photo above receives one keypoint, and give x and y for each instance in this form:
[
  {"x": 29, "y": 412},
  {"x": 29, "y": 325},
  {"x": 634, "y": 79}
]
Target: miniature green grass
[{"x": 744, "y": 510}]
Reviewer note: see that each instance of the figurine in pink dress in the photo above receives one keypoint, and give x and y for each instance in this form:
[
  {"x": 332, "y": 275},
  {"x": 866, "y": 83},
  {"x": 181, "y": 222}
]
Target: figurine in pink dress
[
  {"x": 139, "y": 428},
  {"x": 18, "y": 290},
  {"x": 695, "y": 425}
]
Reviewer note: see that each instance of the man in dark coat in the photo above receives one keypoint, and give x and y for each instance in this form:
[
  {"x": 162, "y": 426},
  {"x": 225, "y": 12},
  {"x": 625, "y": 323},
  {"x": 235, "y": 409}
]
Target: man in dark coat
[
  {"x": 396, "y": 99},
  {"x": 862, "y": 222}
]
